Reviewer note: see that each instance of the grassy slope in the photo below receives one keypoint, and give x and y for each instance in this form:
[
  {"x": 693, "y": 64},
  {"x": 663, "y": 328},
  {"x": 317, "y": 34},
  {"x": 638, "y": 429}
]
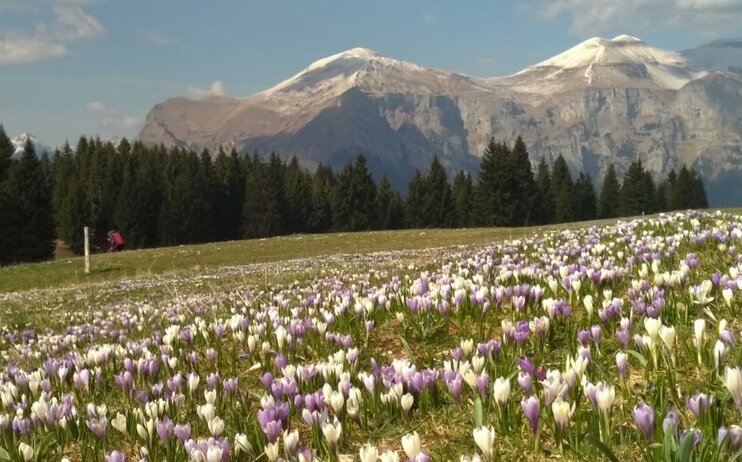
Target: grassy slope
[
  {"x": 130, "y": 264},
  {"x": 112, "y": 267}
]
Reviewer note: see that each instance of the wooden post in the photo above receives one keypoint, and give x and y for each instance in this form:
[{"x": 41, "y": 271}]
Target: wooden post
[{"x": 87, "y": 251}]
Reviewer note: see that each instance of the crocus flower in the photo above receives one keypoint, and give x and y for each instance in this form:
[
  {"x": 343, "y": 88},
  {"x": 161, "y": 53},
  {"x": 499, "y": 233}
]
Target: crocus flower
[
  {"x": 644, "y": 418},
  {"x": 485, "y": 439},
  {"x": 531, "y": 407}
]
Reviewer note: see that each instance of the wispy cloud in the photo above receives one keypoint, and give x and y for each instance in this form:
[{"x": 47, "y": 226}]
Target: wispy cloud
[
  {"x": 158, "y": 37},
  {"x": 589, "y": 17},
  {"x": 111, "y": 119},
  {"x": 47, "y": 40},
  {"x": 217, "y": 88}
]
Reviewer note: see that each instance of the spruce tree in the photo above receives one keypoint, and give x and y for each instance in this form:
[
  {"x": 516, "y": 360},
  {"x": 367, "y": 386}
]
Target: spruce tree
[
  {"x": 562, "y": 188},
  {"x": 355, "y": 198},
  {"x": 389, "y": 208},
  {"x": 584, "y": 198},
  {"x": 31, "y": 228},
  {"x": 492, "y": 202},
  {"x": 637, "y": 191},
  {"x": 463, "y": 199},
  {"x": 323, "y": 187},
  {"x": 610, "y": 194},
  {"x": 6, "y": 153},
  {"x": 262, "y": 209},
  {"x": 700, "y": 199},
  {"x": 297, "y": 190},
  {"x": 521, "y": 186},
  {"x": 229, "y": 195},
  {"x": 437, "y": 211},
  {"x": 414, "y": 200},
  {"x": 544, "y": 203}
]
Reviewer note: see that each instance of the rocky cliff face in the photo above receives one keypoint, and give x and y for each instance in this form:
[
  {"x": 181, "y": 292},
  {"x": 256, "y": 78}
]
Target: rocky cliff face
[{"x": 602, "y": 102}]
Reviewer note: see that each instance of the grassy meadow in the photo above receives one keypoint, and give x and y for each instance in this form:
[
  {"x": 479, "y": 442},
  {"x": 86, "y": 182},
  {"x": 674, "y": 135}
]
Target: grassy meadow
[{"x": 612, "y": 340}]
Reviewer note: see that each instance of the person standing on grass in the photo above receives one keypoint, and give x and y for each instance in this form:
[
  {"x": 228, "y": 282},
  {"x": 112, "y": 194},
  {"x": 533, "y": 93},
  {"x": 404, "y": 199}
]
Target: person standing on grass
[{"x": 116, "y": 241}]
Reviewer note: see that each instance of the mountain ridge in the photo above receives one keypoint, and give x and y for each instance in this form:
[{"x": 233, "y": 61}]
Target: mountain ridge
[{"x": 602, "y": 101}]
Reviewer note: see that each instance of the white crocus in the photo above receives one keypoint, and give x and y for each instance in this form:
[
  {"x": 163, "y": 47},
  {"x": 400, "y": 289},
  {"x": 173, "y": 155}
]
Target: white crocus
[
  {"x": 485, "y": 439},
  {"x": 501, "y": 390}
]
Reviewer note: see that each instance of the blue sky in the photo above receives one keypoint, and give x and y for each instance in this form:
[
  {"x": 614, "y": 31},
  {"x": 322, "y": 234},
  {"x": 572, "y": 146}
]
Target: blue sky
[{"x": 72, "y": 67}]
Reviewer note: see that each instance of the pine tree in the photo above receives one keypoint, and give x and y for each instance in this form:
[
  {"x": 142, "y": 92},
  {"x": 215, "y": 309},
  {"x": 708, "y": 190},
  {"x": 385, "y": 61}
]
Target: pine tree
[
  {"x": 700, "y": 199},
  {"x": 31, "y": 228},
  {"x": 229, "y": 195},
  {"x": 463, "y": 199},
  {"x": 492, "y": 202},
  {"x": 355, "y": 197},
  {"x": 323, "y": 186},
  {"x": 544, "y": 201},
  {"x": 262, "y": 209},
  {"x": 562, "y": 189},
  {"x": 8, "y": 212},
  {"x": 414, "y": 201},
  {"x": 585, "y": 198},
  {"x": 6, "y": 154},
  {"x": 297, "y": 190},
  {"x": 610, "y": 194},
  {"x": 437, "y": 207},
  {"x": 389, "y": 208},
  {"x": 671, "y": 196},
  {"x": 522, "y": 186},
  {"x": 637, "y": 192}
]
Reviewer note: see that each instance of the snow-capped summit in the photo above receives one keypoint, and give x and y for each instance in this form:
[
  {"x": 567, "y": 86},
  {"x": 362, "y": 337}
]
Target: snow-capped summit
[
  {"x": 621, "y": 61},
  {"x": 19, "y": 142},
  {"x": 605, "y": 101}
]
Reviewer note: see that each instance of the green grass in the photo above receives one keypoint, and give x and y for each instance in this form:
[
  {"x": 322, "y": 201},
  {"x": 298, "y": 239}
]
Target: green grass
[
  {"x": 195, "y": 258},
  {"x": 69, "y": 272}
]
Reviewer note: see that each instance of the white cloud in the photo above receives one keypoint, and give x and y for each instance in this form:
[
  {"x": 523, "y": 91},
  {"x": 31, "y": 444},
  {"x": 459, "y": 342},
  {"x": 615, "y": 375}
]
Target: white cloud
[
  {"x": 216, "y": 89},
  {"x": 23, "y": 50},
  {"x": 112, "y": 119},
  {"x": 590, "y": 17},
  {"x": 158, "y": 37},
  {"x": 48, "y": 40}
]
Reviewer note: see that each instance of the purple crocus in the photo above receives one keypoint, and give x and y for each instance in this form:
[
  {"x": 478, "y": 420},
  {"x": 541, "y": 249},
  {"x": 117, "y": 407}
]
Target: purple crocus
[
  {"x": 699, "y": 402},
  {"x": 644, "y": 417},
  {"x": 115, "y": 456},
  {"x": 531, "y": 408}
]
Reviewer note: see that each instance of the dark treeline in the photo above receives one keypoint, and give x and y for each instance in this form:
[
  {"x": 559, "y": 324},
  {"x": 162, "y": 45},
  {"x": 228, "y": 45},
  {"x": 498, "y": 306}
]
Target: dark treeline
[{"x": 157, "y": 196}]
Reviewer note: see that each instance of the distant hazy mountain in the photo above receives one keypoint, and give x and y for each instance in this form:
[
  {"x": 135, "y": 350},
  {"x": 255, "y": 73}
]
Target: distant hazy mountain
[
  {"x": 19, "y": 142},
  {"x": 602, "y": 102}
]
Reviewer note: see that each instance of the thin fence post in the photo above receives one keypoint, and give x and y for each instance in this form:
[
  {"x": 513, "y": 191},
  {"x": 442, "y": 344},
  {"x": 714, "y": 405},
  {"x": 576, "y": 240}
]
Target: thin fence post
[{"x": 87, "y": 251}]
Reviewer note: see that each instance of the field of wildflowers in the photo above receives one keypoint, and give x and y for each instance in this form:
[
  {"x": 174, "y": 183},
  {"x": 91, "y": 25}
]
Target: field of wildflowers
[{"x": 614, "y": 343}]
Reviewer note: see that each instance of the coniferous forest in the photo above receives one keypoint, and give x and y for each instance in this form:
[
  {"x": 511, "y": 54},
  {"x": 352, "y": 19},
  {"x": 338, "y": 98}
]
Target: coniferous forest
[{"x": 158, "y": 197}]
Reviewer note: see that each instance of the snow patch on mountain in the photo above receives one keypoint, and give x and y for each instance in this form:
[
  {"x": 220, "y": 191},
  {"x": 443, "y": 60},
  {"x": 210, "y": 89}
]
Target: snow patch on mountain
[{"x": 19, "y": 143}]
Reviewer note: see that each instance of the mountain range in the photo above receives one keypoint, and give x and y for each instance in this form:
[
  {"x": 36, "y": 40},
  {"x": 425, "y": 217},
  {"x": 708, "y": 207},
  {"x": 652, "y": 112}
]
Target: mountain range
[{"x": 602, "y": 102}]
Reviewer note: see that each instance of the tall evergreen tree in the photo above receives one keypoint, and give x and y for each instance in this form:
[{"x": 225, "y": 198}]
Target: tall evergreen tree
[
  {"x": 389, "y": 208},
  {"x": 610, "y": 194},
  {"x": 414, "y": 200},
  {"x": 584, "y": 198},
  {"x": 463, "y": 199},
  {"x": 637, "y": 191},
  {"x": 31, "y": 228},
  {"x": 323, "y": 188},
  {"x": 262, "y": 209},
  {"x": 700, "y": 199},
  {"x": 562, "y": 189},
  {"x": 229, "y": 195},
  {"x": 437, "y": 208},
  {"x": 522, "y": 186},
  {"x": 6, "y": 153},
  {"x": 356, "y": 197},
  {"x": 297, "y": 190},
  {"x": 543, "y": 208},
  {"x": 493, "y": 197}
]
